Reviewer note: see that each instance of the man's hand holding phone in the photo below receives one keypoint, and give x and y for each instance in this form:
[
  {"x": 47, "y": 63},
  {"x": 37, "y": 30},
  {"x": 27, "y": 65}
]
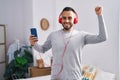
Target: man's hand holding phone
[{"x": 33, "y": 37}]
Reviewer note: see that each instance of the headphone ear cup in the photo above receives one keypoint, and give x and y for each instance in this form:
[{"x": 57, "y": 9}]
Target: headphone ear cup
[
  {"x": 60, "y": 20},
  {"x": 75, "y": 20}
]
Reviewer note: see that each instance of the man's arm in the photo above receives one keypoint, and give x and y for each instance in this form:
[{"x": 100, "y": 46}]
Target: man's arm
[
  {"x": 40, "y": 48},
  {"x": 102, "y": 36}
]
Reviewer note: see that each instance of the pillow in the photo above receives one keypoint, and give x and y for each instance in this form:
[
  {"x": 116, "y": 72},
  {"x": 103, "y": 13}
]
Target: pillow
[{"x": 88, "y": 72}]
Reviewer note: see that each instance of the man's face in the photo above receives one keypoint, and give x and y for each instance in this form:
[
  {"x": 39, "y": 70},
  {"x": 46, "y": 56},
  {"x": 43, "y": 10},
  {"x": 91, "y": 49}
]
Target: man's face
[{"x": 68, "y": 19}]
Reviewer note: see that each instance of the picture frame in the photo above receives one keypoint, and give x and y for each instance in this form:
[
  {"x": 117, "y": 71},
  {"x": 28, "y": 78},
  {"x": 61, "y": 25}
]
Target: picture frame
[
  {"x": 2, "y": 53},
  {"x": 44, "y": 24},
  {"x": 2, "y": 43}
]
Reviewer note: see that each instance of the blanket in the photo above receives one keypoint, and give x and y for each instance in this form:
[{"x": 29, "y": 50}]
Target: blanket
[{"x": 88, "y": 72}]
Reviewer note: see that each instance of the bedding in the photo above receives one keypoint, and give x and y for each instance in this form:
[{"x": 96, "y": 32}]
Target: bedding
[
  {"x": 88, "y": 72},
  {"x": 100, "y": 75}
]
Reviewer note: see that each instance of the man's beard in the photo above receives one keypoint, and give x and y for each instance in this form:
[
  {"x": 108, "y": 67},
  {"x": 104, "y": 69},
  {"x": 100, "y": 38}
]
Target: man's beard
[{"x": 67, "y": 28}]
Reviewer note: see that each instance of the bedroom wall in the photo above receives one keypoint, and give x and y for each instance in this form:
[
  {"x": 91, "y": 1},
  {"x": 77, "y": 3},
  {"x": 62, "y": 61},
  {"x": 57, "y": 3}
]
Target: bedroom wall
[
  {"x": 103, "y": 55},
  {"x": 40, "y": 10},
  {"x": 17, "y": 15},
  {"x": 11, "y": 14},
  {"x": 119, "y": 42},
  {"x": 20, "y": 15},
  {"x": 106, "y": 54}
]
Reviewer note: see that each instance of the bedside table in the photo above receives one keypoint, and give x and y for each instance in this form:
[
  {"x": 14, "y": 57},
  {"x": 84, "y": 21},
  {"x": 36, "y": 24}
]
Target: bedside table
[{"x": 35, "y": 71}]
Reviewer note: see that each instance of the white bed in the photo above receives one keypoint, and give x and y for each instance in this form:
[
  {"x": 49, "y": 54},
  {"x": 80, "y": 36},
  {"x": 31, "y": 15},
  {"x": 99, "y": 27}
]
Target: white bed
[{"x": 100, "y": 75}]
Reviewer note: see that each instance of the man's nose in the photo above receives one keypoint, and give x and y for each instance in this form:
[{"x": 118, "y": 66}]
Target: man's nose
[{"x": 66, "y": 20}]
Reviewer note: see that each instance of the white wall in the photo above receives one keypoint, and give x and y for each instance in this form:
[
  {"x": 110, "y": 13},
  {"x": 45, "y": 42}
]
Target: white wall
[
  {"x": 28, "y": 19},
  {"x": 21, "y": 15},
  {"x": 106, "y": 53},
  {"x": 103, "y": 55},
  {"x": 119, "y": 42},
  {"x": 11, "y": 14},
  {"x": 17, "y": 15},
  {"x": 40, "y": 10}
]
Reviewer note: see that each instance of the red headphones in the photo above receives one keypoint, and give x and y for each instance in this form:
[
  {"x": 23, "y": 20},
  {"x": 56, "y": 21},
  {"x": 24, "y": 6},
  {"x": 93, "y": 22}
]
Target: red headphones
[{"x": 75, "y": 19}]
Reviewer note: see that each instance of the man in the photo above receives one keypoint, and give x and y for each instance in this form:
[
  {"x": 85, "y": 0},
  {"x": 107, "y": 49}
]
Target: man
[{"x": 67, "y": 44}]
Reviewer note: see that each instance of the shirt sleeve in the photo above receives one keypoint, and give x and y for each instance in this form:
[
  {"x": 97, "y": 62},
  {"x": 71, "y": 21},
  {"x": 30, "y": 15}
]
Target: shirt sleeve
[
  {"x": 45, "y": 47},
  {"x": 102, "y": 36}
]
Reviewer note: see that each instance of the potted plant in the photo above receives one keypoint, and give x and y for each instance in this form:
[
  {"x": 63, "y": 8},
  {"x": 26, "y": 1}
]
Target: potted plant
[{"x": 18, "y": 67}]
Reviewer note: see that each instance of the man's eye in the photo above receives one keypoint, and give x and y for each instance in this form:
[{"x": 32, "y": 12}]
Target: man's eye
[
  {"x": 64, "y": 17},
  {"x": 69, "y": 18}
]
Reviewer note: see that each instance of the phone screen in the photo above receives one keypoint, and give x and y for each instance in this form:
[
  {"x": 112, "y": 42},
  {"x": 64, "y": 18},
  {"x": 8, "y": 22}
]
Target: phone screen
[{"x": 34, "y": 31}]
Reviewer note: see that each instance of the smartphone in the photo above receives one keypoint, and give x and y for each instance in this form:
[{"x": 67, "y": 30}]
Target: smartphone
[{"x": 34, "y": 32}]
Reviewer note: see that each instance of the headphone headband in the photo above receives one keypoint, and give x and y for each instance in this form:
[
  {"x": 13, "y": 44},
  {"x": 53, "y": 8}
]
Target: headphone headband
[
  {"x": 68, "y": 9},
  {"x": 75, "y": 19}
]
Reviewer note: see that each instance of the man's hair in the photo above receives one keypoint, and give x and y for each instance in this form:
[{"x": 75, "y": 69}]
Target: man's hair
[{"x": 68, "y": 9}]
